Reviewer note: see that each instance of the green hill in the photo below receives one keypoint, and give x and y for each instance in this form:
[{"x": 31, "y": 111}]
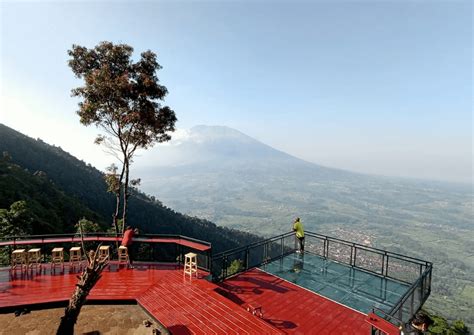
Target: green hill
[{"x": 59, "y": 190}]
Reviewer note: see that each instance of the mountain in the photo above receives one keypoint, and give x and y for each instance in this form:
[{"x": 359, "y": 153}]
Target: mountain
[
  {"x": 60, "y": 190},
  {"x": 223, "y": 175},
  {"x": 227, "y": 177}
]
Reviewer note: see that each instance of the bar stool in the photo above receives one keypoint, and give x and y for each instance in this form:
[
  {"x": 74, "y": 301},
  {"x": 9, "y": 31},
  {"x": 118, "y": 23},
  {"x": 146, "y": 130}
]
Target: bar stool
[
  {"x": 75, "y": 255},
  {"x": 190, "y": 264},
  {"x": 19, "y": 257},
  {"x": 34, "y": 257},
  {"x": 123, "y": 254},
  {"x": 57, "y": 257},
  {"x": 104, "y": 252}
]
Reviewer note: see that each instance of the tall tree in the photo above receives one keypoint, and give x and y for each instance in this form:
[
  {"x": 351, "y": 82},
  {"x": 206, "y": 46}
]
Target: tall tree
[{"x": 123, "y": 98}]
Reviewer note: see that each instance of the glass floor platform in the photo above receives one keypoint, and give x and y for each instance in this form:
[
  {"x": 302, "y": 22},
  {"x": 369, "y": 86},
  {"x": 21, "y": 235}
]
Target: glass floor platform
[{"x": 351, "y": 287}]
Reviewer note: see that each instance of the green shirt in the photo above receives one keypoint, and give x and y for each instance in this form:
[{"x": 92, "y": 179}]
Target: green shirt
[{"x": 298, "y": 227}]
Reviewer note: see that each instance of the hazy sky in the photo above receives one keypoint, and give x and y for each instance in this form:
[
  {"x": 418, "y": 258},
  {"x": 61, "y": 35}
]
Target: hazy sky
[{"x": 381, "y": 87}]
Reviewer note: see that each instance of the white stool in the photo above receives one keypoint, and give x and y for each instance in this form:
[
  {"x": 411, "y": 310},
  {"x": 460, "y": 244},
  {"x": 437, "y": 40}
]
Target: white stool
[
  {"x": 190, "y": 264},
  {"x": 75, "y": 255},
  {"x": 104, "y": 252},
  {"x": 34, "y": 257},
  {"x": 57, "y": 257},
  {"x": 123, "y": 254}
]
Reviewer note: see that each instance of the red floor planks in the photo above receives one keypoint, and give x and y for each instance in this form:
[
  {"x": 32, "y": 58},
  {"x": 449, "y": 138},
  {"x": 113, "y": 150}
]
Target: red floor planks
[
  {"x": 292, "y": 309},
  {"x": 184, "y": 306},
  {"x": 197, "y": 306}
]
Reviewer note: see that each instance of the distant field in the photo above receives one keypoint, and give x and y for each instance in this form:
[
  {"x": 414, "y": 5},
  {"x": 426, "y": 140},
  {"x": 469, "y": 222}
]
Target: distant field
[{"x": 421, "y": 220}]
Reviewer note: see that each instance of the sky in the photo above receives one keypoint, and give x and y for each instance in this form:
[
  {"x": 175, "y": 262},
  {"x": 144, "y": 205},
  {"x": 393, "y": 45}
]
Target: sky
[{"x": 380, "y": 87}]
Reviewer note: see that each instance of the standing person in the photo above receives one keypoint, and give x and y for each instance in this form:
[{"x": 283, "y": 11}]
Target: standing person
[
  {"x": 127, "y": 241},
  {"x": 298, "y": 229}
]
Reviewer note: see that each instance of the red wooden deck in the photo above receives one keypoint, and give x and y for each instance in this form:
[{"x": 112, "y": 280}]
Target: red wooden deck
[
  {"x": 292, "y": 309},
  {"x": 196, "y": 306},
  {"x": 182, "y": 305}
]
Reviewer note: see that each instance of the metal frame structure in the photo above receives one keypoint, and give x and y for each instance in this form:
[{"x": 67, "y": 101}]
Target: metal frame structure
[{"x": 412, "y": 271}]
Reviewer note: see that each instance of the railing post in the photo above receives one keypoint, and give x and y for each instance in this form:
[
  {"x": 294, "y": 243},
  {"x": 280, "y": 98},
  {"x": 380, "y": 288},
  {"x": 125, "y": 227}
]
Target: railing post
[
  {"x": 209, "y": 260},
  {"x": 265, "y": 253},
  {"x": 281, "y": 249},
  {"x": 422, "y": 291},
  {"x": 224, "y": 267},
  {"x": 247, "y": 252},
  {"x": 355, "y": 255},
  {"x": 324, "y": 247},
  {"x": 383, "y": 264},
  {"x": 351, "y": 262}
]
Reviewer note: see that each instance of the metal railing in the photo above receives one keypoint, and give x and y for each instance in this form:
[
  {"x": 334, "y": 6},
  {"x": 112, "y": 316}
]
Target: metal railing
[
  {"x": 413, "y": 272},
  {"x": 241, "y": 259},
  {"x": 148, "y": 247}
]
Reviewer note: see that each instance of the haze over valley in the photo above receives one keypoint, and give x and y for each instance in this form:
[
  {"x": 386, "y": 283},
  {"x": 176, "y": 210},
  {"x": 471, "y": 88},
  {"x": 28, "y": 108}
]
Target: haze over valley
[{"x": 229, "y": 178}]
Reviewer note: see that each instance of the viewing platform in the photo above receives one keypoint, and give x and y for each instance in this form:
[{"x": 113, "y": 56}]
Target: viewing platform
[{"x": 263, "y": 288}]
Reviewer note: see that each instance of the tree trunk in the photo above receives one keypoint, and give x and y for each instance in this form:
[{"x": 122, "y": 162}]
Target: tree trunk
[
  {"x": 125, "y": 194},
  {"x": 115, "y": 216},
  {"x": 88, "y": 278}
]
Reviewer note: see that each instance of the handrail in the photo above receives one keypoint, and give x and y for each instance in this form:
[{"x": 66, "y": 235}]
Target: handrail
[
  {"x": 386, "y": 315},
  {"x": 223, "y": 260},
  {"x": 412, "y": 289},
  {"x": 99, "y": 235},
  {"x": 365, "y": 247},
  {"x": 348, "y": 243},
  {"x": 253, "y": 244}
]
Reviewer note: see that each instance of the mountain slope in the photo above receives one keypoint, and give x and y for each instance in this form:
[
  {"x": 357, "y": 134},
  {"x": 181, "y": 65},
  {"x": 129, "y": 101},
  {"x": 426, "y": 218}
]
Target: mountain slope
[
  {"x": 223, "y": 175},
  {"x": 85, "y": 186},
  {"x": 50, "y": 209}
]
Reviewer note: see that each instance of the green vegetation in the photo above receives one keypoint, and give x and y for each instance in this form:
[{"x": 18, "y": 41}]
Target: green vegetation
[
  {"x": 56, "y": 190},
  {"x": 235, "y": 266},
  {"x": 68, "y": 190},
  {"x": 442, "y": 327},
  {"x": 123, "y": 98}
]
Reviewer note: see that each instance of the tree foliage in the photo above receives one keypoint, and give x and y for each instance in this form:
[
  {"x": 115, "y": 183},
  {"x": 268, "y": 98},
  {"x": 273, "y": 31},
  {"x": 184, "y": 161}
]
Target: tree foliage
[
  {"x": 123, "y": 98},
  {"x": 442, "y": 327},
  {"x": 75, "y": 190},
  {"x": 87, "y": 226},
  {"x": 16, "y": 221}
]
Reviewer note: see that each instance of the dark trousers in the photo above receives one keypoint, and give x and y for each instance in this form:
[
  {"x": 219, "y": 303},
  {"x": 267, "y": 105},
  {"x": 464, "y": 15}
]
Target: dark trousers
[{"x": 301, "y": 240}]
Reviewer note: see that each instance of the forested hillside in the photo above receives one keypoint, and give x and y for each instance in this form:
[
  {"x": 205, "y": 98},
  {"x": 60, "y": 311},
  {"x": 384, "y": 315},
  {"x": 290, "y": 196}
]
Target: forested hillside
[
  {"x": 60, "y": 189},
  {"x": 44, "y": 208}
]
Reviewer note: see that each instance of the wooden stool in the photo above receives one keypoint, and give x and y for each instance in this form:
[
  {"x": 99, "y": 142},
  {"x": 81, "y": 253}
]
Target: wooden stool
[
  {"x": 19, "y": 257},
  {"x": 75, "y": 255},
  {"x": 34, "y": 257},
  {"x": 123, "y": 254},
  {"x": 104, "y": 252},
  {"x": 190, "y": 264},
  {"x": 57, "y": 257}
]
